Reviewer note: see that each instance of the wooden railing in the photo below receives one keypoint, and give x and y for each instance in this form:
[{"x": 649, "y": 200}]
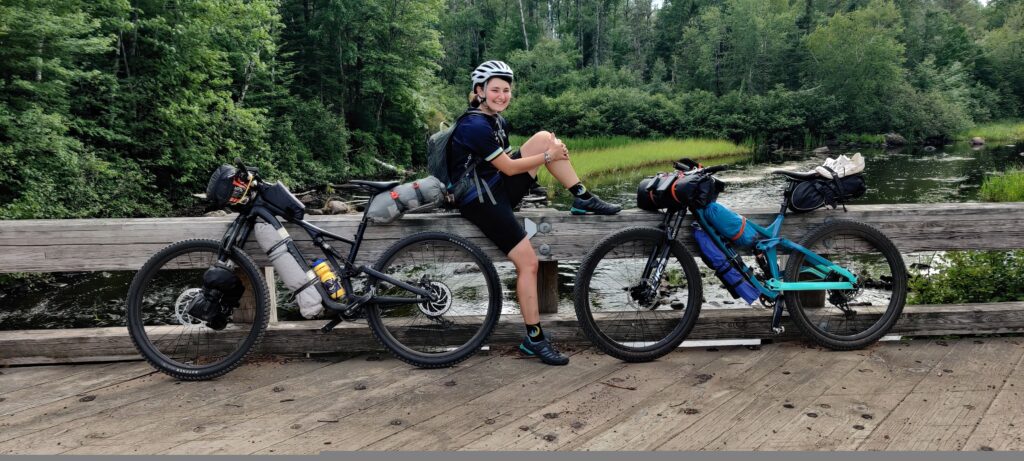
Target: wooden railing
[{"x": 125, "y": 244}]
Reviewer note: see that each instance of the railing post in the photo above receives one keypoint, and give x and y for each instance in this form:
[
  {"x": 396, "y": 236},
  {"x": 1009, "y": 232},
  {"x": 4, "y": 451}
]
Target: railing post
[{"x": 547, "y": 287}]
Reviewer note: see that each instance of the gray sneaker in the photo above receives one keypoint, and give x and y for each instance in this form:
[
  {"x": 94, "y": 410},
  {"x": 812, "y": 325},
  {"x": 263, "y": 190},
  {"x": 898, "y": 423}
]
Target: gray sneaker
[
  {"x": 544, "y": 350},
  {"x": 593, "y": 205}
]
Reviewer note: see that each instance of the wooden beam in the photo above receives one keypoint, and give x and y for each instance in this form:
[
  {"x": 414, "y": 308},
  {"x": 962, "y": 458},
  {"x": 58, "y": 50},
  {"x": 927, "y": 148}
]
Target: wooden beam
[
  {"x": 101, "y": 344},
  {"x": 125, "y": 244}
]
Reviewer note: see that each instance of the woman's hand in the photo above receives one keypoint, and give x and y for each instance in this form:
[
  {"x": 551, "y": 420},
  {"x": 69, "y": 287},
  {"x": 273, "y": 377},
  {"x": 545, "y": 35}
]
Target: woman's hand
[{"x": 558, "y": 149}]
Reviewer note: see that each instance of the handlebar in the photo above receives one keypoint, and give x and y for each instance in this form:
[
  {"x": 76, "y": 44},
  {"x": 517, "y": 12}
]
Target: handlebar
[{"x": 685, "y": 164}]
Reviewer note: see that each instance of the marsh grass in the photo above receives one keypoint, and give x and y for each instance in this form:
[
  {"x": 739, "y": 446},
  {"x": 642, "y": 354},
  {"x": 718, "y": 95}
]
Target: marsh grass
[
  {"x": 862, "y": 138},
  {"x": 1008, "y": 187},
  {"x": 620, "y": 154},
  {"x": 1011, "y": 130}
]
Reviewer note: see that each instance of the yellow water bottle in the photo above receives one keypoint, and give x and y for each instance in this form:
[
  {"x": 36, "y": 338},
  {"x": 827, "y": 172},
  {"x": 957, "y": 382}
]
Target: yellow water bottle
[{"x": 331, "y": 282}]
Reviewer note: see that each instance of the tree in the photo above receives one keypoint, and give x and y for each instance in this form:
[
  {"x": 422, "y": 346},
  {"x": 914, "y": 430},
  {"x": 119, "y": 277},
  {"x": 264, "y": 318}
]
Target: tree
[{"x": 857, "y": 57}]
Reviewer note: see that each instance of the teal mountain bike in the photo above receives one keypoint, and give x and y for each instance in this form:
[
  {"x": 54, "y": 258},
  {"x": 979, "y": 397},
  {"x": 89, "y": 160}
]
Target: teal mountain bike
[{"x": 638, "y": 293}]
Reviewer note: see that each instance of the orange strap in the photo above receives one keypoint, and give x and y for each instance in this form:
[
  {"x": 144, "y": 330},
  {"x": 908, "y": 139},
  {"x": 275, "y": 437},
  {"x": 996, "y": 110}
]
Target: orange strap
[
  {"x": 673, "y": 187},
  {"x": 740, "y": 233}
]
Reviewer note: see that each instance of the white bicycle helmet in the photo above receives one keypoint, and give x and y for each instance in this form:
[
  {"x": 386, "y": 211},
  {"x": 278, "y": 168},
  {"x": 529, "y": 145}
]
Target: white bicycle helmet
[{"x": 489, "y": 69}]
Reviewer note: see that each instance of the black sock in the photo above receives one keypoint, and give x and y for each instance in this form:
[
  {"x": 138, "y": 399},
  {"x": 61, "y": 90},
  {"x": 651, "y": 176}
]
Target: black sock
[
  {"x": 579, "y": 190},
  {"x": 534, "y": 332}
]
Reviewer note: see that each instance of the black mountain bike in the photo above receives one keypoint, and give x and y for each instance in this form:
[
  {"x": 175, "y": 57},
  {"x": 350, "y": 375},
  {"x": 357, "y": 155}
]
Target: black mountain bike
[{"x": 432, "y": 298}]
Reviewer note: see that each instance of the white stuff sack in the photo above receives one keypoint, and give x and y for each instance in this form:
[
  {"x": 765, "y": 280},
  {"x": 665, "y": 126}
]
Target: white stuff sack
[
  {"x": 417, "y": 196},
  {"x": 273, "y": 241}
]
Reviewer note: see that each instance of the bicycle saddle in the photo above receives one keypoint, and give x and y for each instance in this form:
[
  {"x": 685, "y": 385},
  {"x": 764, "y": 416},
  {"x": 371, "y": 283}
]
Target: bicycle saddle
[
  {"x": 379, "y": 186},
  {"x": 797, "y": 175}
]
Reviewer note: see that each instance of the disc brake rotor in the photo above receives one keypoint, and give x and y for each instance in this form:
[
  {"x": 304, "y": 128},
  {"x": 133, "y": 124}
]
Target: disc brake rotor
[{"x": 182, "y": 304}]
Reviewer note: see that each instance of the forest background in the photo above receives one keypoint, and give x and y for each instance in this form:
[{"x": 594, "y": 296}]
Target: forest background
[{"x": 118, "y": 108}]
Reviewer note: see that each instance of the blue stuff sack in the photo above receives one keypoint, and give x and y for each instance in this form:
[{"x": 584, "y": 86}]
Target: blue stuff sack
[
  {"x": 730, "y": 225},
  {"x": 731, "y": 277}
]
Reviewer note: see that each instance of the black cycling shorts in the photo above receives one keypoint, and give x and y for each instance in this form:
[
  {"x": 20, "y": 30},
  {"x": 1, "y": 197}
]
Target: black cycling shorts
[{"x": 498, "y": 222}]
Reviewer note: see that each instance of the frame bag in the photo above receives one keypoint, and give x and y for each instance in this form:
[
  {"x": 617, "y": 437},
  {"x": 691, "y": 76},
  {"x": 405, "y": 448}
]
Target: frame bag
[{"x": 730, "y": 224}]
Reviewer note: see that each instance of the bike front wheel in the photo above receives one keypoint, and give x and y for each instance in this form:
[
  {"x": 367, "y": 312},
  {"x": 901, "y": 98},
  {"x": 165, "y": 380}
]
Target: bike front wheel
[
  {"x": 848, "y": 319},
  {"x": 465, "y": 306},
  {"x": 627, "y": 313},
  {"x": 178, "y": 344}
]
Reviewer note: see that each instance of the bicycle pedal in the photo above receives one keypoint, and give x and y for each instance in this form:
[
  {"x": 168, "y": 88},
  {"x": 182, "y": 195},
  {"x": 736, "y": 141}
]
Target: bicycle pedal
[{"x": 778, "y": 331}]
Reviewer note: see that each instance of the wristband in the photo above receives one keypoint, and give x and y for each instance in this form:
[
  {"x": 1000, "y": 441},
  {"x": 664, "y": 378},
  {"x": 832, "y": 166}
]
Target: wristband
[{"x": 547, "y": 157}]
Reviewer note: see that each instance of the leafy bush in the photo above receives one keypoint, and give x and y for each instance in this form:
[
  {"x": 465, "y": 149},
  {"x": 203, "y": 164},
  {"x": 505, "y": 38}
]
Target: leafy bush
[{"x": 972, "y": 277}]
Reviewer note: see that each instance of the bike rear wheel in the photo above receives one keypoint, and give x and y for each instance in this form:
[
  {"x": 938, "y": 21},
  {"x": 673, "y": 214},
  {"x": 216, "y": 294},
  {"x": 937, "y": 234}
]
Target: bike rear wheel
[
  {"x": 848, "y": 319},
  {"x": 178, "y": 344},
  {"x": 464, "y": 313},
  {"x": 617, "y": 309}
]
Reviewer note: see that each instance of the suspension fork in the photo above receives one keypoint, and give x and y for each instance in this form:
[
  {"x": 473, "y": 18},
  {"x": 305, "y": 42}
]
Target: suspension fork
[{"x": 658, "y": 260}]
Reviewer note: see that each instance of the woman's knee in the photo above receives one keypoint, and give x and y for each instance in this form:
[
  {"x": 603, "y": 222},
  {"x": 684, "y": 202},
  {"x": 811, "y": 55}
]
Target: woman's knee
[{"x": 524, "y": 258}]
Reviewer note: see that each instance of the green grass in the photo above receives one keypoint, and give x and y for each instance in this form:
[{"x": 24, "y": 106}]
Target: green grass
[
  {"x": 862, "y": 138},
  {"x": 618, "y": 154},
  {"x": 1009, "y": 130},
  {"x": 582, "y": 144},
  {"x": 1006, "y": 188}
]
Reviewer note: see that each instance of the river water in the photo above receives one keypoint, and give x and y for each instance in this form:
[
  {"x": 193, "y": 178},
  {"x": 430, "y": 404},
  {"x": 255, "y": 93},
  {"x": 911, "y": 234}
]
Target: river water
[{"x": 950, "y": 173}]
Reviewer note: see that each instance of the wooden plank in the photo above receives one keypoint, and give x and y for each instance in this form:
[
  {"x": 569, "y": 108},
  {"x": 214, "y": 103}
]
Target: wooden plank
[
  {"x": 326, "y": 412},
  {"x": 522, "y": 393},
  {"x": 72, "y": 422},
  {"x": 870, "y": 390},
  {"x": 85, "y": 344},
  {"x": 943, "y": 410},
  {"x": 701, "y": 387},
  {"x": 233, "y": 410},
  {"x": 72, "y": 382},
  {"x": 124, "y": 244},
  {"x": 1002, "y": 426},
  {"x": 802, "y": 372}
]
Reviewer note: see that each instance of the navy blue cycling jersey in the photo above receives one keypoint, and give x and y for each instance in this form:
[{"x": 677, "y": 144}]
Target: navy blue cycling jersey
[{"x": 476, "y": 138}]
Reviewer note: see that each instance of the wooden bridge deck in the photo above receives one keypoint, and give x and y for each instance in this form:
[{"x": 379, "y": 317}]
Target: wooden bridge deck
[{"x": 910, "y": 395}]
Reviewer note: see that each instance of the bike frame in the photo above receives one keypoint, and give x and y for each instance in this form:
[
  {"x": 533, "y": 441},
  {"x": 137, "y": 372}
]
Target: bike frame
[
  {"x": 769, "y": 244},
  {"x": 239, "y": 231}
]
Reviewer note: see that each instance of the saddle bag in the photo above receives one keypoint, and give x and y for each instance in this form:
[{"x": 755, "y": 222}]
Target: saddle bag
[
  {"x": 274, "y": 242},
  {"x": 725, "y": 270},
  {"x": 805, "y": 196},
  {"x": 414, "y": 197}
]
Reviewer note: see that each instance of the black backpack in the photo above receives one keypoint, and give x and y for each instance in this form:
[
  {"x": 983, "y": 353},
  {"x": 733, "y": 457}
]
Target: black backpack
[{"x": 439, "y": 145}]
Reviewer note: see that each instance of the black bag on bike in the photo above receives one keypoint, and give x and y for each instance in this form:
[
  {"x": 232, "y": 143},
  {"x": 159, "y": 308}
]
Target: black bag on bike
[
  {"x": 810, "y": 195},
  {"x": 679, "y": 190},
  {"x": 222, "y": 293},
  {"x": 280, "y": 197}
]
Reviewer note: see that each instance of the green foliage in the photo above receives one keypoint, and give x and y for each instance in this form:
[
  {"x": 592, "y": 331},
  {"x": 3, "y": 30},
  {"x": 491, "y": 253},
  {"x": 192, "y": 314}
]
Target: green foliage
[
  {"x": 1008, "y": 187},
  {"x": 972, "y": 276},
  {"x": 122, "y": 108}
]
